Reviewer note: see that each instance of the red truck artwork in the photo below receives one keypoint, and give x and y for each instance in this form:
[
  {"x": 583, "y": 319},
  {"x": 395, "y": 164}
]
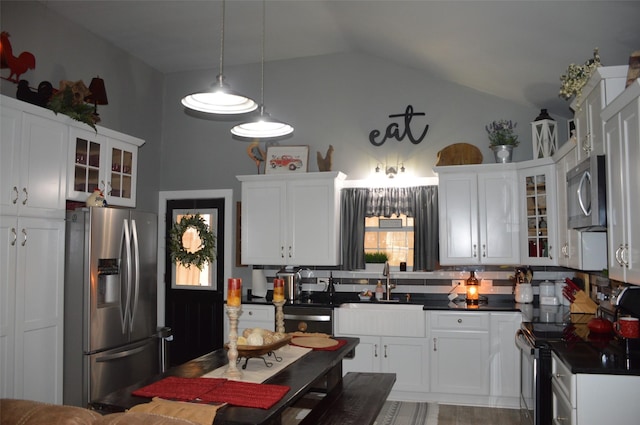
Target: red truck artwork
[{"x": 289, "y": 161}]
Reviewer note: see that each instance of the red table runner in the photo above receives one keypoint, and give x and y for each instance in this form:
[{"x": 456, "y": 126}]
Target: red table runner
[{"x": 245, "y": 394}]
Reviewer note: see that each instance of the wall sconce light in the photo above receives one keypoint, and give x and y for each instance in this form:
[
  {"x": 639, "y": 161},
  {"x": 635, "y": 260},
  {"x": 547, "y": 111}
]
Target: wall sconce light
[
  {"x": 390, "y": 170},
  {"x": 472, "y": 289}
]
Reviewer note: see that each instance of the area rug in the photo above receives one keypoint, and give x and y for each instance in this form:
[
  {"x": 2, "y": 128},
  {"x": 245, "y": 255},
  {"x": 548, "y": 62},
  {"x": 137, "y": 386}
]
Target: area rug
[{"x": 407, "y": 413}]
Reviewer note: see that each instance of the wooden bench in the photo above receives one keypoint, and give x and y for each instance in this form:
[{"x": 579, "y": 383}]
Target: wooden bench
[{"x": 357, "y": 401}]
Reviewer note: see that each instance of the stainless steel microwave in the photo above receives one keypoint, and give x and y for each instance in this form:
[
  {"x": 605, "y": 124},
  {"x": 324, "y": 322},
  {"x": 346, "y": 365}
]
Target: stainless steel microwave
[{"x": 587, "y": 195}]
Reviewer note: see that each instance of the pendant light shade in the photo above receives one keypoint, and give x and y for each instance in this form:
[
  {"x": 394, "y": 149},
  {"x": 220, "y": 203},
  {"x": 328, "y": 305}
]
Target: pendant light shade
[
  {"x": 262, "y": 126},
  {"x": 220, "y": 100}
]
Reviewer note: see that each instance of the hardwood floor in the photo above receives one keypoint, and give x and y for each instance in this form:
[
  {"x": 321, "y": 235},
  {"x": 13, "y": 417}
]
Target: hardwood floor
[
  {"x": 448, "y": 415},
  {"x": 466, "y": 415}
]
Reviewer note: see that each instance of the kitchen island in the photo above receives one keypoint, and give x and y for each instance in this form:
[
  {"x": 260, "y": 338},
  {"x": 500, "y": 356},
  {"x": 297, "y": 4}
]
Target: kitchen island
[{"x": 316, "y": 370}]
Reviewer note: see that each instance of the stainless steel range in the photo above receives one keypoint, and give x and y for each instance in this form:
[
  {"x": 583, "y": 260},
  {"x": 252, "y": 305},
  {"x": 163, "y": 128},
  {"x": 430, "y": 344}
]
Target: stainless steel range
[{"x": 533, "y": 340}]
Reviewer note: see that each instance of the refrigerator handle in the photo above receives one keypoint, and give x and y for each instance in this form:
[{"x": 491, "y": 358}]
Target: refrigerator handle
[
  {"x": 127, "y": 263},
  {"x": 121, "y": 354},
  {"x": 136, "y": 266}
]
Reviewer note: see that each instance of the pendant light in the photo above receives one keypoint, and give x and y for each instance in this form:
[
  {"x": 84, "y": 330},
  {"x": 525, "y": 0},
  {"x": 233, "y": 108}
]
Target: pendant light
[
  {"x": 221, "y": 100},
  {"x": 262, "y": 126}
]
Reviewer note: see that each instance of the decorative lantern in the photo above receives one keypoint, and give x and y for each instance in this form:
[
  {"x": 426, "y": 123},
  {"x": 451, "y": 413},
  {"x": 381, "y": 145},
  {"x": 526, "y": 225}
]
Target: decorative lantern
[
  {"x": 472, "y": 289},
  {"x": 544, "y": 132}
]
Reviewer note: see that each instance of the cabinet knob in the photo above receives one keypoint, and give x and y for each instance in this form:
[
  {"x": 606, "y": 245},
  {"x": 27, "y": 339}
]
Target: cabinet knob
[
  {"x": 459, "y": 320},
  {"x": 251, "y": 313}
]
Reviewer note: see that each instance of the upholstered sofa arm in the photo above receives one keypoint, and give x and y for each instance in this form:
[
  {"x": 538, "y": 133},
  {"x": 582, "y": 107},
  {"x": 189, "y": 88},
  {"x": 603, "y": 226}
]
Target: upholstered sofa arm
[{"x": 27, "y": 412}]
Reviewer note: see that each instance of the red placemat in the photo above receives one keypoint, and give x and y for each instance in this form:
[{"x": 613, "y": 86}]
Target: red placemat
[
  {"x": 246, "y": 394},
  {"x": 215, "y": 390},
  {"x": 340, "y": 343},
  {"x": 182, "y": 389}
]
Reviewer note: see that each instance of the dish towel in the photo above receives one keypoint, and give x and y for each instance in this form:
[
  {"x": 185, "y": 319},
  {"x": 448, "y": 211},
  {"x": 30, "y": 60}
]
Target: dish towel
[{"x": 215, "y": 390}]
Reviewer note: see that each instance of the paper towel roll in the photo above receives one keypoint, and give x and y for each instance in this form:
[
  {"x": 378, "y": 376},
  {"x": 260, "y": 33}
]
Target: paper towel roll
[{"x": 258, "y": 283}]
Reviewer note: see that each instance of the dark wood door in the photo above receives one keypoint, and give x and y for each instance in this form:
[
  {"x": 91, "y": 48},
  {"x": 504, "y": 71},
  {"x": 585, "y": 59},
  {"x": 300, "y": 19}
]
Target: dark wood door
[{"x": 195, "y": 315}]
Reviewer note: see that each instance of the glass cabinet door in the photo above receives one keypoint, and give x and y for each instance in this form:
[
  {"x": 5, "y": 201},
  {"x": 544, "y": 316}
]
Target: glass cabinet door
[
  {"x": 540, "y": 234},
  {"x": 86, "y": 156},
  {"x": 537, "y": 234},
  {"x": 121, "y": 173}
]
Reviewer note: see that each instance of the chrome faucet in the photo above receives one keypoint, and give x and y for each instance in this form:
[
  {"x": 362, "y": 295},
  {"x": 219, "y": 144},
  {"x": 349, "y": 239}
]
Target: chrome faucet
[{"x": 388, "y": 286}]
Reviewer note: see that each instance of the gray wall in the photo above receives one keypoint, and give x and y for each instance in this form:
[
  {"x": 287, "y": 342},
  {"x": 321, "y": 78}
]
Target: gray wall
[{"x": 334, "y": 99}]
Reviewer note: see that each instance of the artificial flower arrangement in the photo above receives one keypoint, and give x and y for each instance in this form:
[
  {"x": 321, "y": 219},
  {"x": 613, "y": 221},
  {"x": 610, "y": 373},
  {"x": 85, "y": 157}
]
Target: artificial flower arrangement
[
  {"x": 501, "y": 133},
  {"x": 577, "y": 76},
  {"x": 70, "y": 100}
]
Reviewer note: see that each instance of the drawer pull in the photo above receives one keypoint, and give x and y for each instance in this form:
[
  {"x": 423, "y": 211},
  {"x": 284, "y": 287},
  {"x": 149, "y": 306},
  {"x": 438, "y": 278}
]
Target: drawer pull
[{"x": 459, "y": 320}]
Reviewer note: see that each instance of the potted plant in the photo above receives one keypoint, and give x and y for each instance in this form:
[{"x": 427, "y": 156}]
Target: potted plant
[
  {"x": 502, "y": 139},
  {"x": 374, "y": 261}
]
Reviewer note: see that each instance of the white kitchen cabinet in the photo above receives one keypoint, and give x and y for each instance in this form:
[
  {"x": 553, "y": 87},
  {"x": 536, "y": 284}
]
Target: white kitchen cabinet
[
  {"x": 580, "y": 398},
  {"x": 622, "y": 138},
  {"x": 291, "y": 219},
  {"x": 459, "y": 353},
  {"x": 253, "y": 316},
  {"x": 31, "y": 297},
  {"x": 504, "y": 358},
  {"x": 32, "y": 157},
  {"x": 566, "y": 158},
  {"x": 537, "y": 181},
  {"x": 478, "y": 209},
  {"x": 106, "y": 160},
  {"x": 605, "y": 84},
  {"x": 403, "y": 356}
]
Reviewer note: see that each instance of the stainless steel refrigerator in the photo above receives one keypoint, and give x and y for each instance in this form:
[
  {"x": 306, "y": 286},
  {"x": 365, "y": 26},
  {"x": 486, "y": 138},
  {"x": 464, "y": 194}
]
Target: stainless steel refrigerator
[{"x": 110, "y": 302}]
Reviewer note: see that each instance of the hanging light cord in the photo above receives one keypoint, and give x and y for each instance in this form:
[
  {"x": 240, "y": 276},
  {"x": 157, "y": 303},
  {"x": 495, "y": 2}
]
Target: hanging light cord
[
  {"x": 264, "y": 35},
  {"x": 222, "y": 39}
]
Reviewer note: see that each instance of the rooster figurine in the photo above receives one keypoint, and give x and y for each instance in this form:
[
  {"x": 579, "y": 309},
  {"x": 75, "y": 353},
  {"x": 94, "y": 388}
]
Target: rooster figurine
[
  {"x": 325, "y": 164},
  {"x": 17, "y": 65},
  {"x": 256, "y": 154}
]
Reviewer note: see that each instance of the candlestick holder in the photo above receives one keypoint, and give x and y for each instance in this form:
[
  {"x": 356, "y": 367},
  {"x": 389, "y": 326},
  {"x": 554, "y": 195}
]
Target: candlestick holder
[
  {"x": 232, "y": 371},
  {"x": 279, "y": 316}
]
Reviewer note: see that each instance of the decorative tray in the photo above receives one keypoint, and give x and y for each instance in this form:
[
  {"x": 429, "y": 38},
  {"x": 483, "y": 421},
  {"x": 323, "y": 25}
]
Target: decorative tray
[{"x": 249, "y": 351}]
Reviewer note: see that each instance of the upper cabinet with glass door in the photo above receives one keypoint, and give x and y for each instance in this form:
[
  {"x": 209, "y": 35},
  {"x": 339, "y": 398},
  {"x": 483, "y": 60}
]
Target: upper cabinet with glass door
[
  {"x": 538, "y": 209},
  {"x": 106, "y": 160}
]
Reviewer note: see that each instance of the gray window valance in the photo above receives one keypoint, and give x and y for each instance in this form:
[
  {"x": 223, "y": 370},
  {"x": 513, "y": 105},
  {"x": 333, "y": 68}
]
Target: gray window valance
[{"x": 421, "y": 203}]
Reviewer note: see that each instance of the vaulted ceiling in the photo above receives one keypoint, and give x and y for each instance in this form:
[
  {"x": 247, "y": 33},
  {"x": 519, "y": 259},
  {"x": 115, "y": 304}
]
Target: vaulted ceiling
[{"x": 515, "y": 50}]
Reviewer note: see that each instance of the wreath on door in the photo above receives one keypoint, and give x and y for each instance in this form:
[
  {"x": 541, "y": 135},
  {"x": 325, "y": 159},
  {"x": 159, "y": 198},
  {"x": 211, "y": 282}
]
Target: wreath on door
[{"x": 187, "y": 256}]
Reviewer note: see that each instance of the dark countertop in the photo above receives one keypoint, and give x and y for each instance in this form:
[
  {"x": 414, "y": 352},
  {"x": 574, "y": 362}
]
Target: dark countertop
[
  {"x": 609, "y": 357},
  {"x": 429, "y": 301}
]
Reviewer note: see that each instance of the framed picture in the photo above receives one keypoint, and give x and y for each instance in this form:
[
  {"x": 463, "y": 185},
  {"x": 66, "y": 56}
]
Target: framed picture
[{"x": 287, "y": 159}]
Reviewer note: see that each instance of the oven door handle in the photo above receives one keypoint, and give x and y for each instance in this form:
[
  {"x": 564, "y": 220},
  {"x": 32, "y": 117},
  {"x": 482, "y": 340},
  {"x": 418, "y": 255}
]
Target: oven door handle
[
  {"x": 523, "y": 343},
  {"x": 311, "y": 317}
]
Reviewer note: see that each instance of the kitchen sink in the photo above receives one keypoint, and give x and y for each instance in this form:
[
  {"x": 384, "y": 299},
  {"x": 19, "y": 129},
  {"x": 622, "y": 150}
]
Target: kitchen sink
[{"x": 380, "y": 319}]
